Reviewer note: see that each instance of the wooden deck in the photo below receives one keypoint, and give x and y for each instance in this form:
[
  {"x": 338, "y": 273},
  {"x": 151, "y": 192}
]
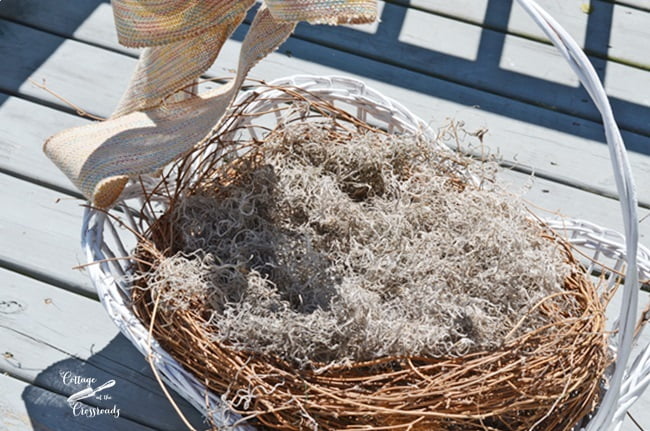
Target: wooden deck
[{"x": 477, "y": 61}]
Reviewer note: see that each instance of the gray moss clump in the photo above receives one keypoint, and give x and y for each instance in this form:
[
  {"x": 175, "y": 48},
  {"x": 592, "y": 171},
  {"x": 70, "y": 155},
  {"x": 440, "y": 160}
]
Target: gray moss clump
[{"x": 331, "y": 248}]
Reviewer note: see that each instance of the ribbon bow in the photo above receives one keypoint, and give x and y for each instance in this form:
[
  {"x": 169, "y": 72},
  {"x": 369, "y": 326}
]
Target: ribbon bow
[{"x": 158, "y": 119}]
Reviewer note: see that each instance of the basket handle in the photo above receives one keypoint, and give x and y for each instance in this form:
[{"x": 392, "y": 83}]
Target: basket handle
[{"x": 627, "y": 195}]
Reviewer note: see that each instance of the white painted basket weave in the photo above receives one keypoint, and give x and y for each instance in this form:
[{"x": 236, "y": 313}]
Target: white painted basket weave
[{"x": 103, "y": 239}]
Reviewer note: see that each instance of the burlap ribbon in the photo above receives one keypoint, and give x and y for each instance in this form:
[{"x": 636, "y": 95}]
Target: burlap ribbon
[{"x": 159, "y": 117}]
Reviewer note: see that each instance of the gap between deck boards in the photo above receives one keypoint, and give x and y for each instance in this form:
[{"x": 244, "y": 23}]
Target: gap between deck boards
[
  {"x": 25, "y": 407},
  {"x": 51, "y": 331},
  {"x": 486, "y": 77},
  {"x": 507, "y": 133},
  {"x": 576, "y": 16}
]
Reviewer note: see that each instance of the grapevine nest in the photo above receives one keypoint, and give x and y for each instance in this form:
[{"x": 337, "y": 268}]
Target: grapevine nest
[{"x": 471, "y": 357}]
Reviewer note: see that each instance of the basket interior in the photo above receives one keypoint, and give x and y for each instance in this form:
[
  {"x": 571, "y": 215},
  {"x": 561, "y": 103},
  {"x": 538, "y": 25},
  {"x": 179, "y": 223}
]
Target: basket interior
[{"x": 112, "y": 236}]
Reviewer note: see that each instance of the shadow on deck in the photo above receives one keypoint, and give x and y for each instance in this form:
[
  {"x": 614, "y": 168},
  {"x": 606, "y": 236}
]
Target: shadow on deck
[
  {"x": 418, "y": 69},
  {"x": 126, "y": 402}
]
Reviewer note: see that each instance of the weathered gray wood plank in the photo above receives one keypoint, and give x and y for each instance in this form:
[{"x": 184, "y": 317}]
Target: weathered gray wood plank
[
  {"x": 561, "y": 145},
  {"x": 40, "y": 234},
  {"x": 24, "y": 407},
  {"x": 91, "y": 21},
  {"x": 507, "y": 65},
  {"x": 20, "y": 145},
  {"x": 86, "y": 75},
  {"x": 640, "y": 4},
  {"x": 608, "y": 29},
  {"x": 47, "y": 331},
  {"x": 630, "y": 27},
  {"x": 488, "y": 60},
  {"x": 28, "y": 125},
  {"x": 550, "y": 198}
]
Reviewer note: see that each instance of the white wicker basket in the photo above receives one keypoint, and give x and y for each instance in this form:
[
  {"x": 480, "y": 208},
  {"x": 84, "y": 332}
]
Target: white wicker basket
[{"x": 104, "y": 239}]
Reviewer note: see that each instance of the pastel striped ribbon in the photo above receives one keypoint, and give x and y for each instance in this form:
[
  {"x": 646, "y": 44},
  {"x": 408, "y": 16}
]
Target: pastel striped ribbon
[{"x": 160, "y": 117}]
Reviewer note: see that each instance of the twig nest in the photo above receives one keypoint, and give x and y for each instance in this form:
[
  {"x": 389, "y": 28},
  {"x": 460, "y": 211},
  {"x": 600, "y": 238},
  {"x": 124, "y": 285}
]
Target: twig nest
[{"x": 337, "y": 279}]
